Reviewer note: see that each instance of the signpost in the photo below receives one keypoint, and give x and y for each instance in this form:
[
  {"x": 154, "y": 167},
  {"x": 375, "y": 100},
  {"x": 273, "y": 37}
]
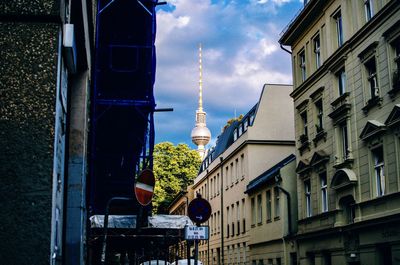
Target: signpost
[
  {"x": 144, "y": 187},
  {"x": 199, "y": 211},
  {"x": 196, "y": 232}
]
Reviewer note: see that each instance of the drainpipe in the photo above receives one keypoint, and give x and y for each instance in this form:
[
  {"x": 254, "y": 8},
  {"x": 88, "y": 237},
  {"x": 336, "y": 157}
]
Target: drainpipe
[
  {"x": 278, "y": 180},
  {"x": 208, "y": 199},
  {"x": 286, "y": 50},
  {"x": 221, "y": 159}
]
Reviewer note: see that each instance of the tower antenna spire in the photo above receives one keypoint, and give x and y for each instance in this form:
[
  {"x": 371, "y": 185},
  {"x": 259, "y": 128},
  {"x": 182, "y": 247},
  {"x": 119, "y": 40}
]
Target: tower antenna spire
[
  {"x": 200, "y": 134},
  {"x": 200, "y": 80}
]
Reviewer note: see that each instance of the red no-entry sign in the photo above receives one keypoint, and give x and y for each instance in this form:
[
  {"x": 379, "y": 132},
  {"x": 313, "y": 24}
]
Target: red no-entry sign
[{"x": 144, "y": 187}]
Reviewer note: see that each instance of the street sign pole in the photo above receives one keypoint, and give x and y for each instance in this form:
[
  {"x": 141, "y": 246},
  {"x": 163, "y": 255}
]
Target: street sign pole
[
  {"x": 199, "y": 211},
  {"x": 196, "y": 251}
]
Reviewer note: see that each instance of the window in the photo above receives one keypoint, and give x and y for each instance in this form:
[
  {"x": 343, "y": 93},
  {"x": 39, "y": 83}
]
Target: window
[
  {"x": 277, "y": 206},
  {"x": 368, "y": 7},
  {"x": 339, "y": 28},
  {"x": 307, "y": 193},
  {"x": 238, "y": 217},
  {"x": 242, "y": 164},
  {"x": 304, "y": 136},
  {"x": 253, "y": 212},
  {"x": 259, "y": 208},
  {"x": 302, "y": 58},
  {"x": 227, "y": 176},
  {"x": 269, "y": 205},
  {"x": 379, "y": 169},
  {"x": 370, "y": 66},
  {"x": 278, "y": 261},
  {"x": 341, "y": 77},
  {"x": 237, "y": 169},
  {"x": 344, "y": 142},
  {"x": 227, "y": 221},
  {"x": 218, "y": 221},
  {"x": 212, "y": 188},
  {"x": 232, "y": 174},
  {"x": 232, "y": 219},
  {"x": 324, "y": 192},
  {"x": 396, "y": 47},
  {"x": 317, "y": 51},
  {"x": 320, "y": 114},
  {"x": 244, "y": 216}
]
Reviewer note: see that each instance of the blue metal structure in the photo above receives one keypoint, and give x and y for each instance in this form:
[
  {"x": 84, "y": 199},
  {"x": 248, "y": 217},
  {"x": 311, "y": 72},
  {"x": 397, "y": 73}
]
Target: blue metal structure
[{"x": 122, "y": 128}]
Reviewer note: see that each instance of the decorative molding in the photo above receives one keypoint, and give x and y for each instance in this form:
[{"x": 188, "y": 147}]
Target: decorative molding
[
  {"x": 372, "y": 129},
  {"x": 317, "y": 93},
  {"x": 393, "y": 120},
  {"x": 368, "y": 52}
]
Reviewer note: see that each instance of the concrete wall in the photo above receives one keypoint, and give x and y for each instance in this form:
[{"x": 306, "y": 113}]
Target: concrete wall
[{"x": 28, "y": 77}]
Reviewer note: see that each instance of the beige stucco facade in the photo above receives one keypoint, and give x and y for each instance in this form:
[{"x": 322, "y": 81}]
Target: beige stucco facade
[
  {"x": 345, "y": 58},
  {"x": 273, "y": 201},
  {"x": 243, "y": 151}
]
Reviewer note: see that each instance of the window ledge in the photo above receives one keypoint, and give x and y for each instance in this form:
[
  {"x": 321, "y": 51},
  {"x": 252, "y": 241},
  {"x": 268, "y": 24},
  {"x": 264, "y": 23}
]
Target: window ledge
[
  {"x": 347, "y": 163},
  {"x": 375, "y": 101},
  {"x": 304, "y": 146},
  {"x": 277, "y": 218},
  {"x": 321, "y": 135}
]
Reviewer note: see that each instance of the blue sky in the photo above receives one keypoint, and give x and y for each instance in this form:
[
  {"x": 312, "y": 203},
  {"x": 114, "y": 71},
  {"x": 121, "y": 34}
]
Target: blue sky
[{"x": 240, "y": 53}]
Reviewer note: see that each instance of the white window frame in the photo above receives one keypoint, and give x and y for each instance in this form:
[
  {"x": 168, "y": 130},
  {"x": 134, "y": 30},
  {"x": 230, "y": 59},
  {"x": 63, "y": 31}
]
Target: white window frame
[
  {"x": 324, "y": 192},
  {"x": 372, "y": 77},
  {"x": 268, "y": 196},
  {"x": 369, "y": 9},
  {"x": 339, "y": 28},
  {"x": 303, "y": 65},
  {"x": 259, "y": 208},
  {"x": 341, "y": 75},
  {"x": 277, "y": 202},
  {"x": 307, "y": 193},
  {"x": 379, "y": 171},
  {"x": 253, "y": 211},
  {"x": 317, "y": 50},
  {"x": 344, "y": 142}
]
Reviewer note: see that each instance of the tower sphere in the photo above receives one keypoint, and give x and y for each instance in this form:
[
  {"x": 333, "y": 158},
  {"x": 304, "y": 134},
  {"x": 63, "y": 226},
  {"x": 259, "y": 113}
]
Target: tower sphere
[{"x": 200, "y": 135}]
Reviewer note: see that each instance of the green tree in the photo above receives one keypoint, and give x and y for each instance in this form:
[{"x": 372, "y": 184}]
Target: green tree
[{"x": 175, "y": 167}]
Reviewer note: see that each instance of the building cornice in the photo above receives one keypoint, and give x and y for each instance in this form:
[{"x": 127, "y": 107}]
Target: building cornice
[{"x": 334, "y": 61}]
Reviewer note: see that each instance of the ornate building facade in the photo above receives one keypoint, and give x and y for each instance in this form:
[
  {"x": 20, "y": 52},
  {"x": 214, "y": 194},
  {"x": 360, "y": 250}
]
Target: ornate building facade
[{"x": 345, "y": 57}]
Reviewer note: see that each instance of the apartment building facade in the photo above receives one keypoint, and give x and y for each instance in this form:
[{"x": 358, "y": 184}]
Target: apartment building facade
[
  {"x": 345, "y": 57},
  {"x": 243, "y": 151},
  {"x": 273, "y": 219}
]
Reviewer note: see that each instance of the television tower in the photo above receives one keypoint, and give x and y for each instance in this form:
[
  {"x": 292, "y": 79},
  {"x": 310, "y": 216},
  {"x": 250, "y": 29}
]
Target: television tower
[{"x": 201, "y": 135}]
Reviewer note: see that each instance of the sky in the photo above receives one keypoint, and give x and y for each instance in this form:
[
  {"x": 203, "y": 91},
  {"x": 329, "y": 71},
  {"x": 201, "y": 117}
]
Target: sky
[{"x": 240, "y": 54}]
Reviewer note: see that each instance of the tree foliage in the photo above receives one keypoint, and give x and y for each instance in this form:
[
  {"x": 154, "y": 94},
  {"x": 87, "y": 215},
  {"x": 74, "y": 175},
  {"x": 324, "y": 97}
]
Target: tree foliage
[
  {"x": 232, "y": 120},
  {"x": 175, "y": 167}
]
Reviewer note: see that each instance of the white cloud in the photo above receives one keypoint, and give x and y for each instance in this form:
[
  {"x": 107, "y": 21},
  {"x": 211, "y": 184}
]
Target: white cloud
[{"x": 240, "y": 54}]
